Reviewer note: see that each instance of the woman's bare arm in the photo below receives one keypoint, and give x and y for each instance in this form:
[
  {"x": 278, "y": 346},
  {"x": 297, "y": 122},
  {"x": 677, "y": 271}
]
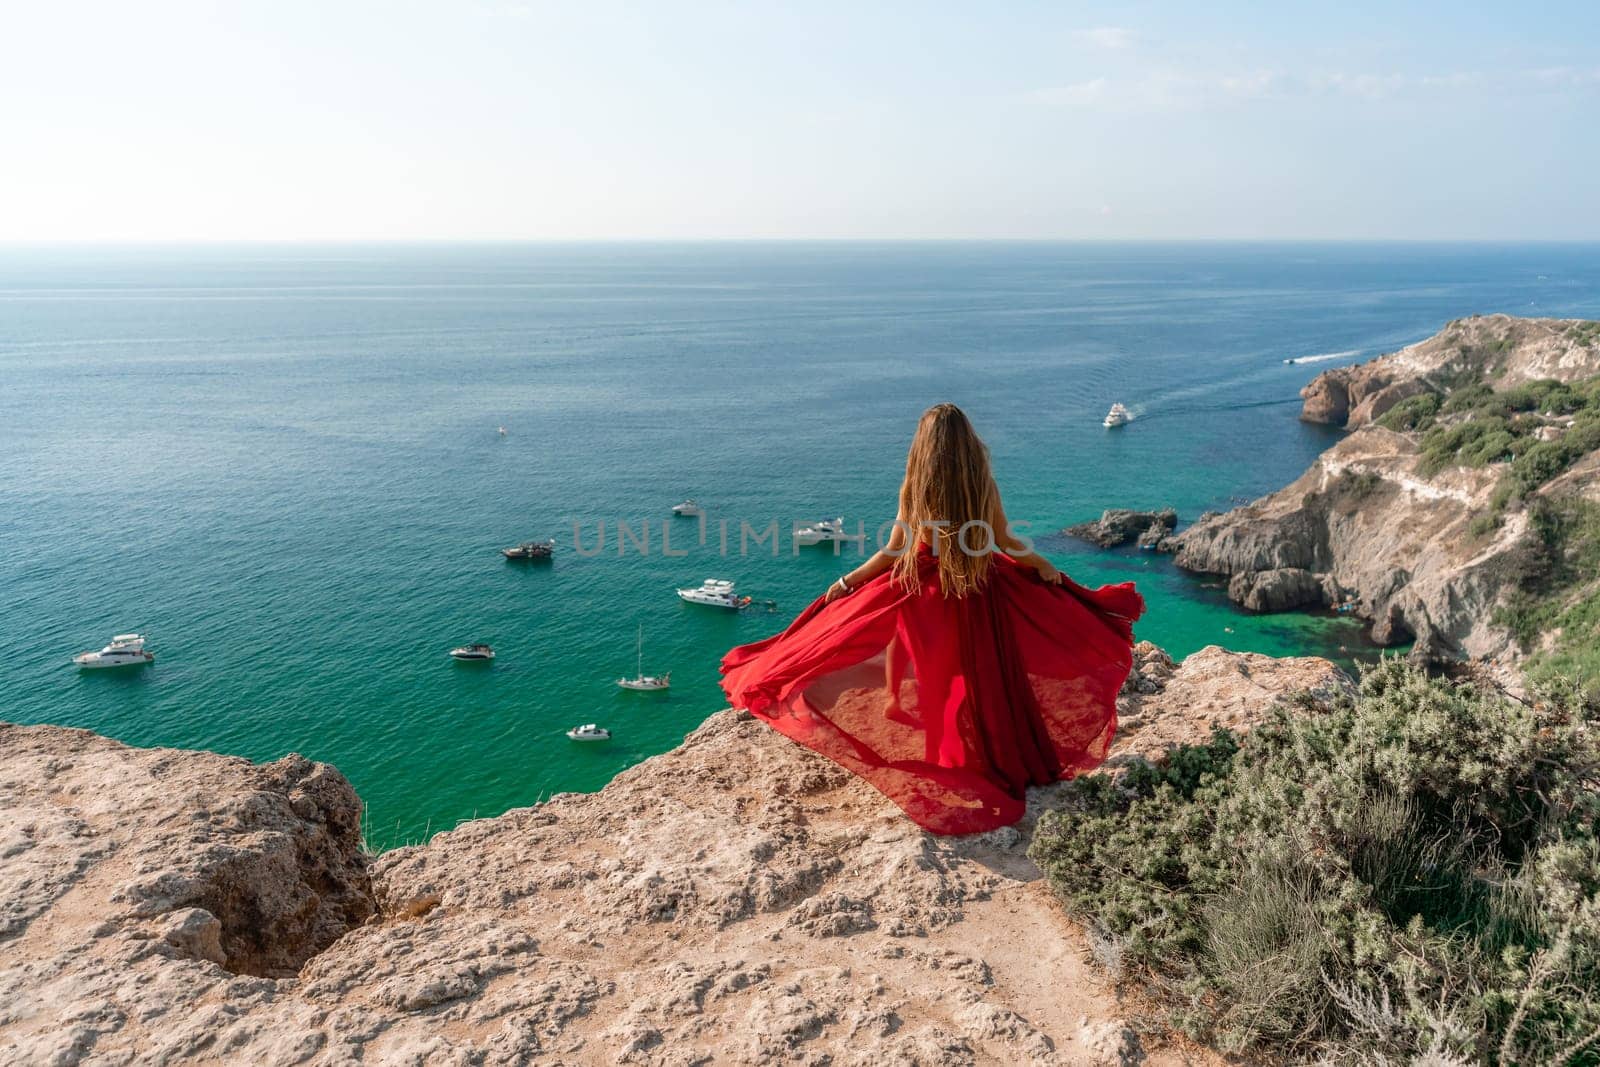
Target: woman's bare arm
[
  {"x": 875, "y": 565},
  {"x": 1020, "y": 550}
]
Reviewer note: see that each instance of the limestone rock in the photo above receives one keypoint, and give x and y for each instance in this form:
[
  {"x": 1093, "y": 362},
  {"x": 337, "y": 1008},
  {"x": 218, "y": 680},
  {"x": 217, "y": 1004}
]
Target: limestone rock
[
  {"x": 1118, "y": 526},
  {"x": 738, "y": 899},
  {"x": 1502, "y": 348},
  {"x": 1373, "y": 533},
  {"x": 1279, "y": 589},
  {"x": 1214, "y": 687}
]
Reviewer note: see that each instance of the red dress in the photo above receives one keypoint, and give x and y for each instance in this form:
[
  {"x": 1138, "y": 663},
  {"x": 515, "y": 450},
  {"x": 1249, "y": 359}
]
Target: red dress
[{"x": 951, "y": 707}]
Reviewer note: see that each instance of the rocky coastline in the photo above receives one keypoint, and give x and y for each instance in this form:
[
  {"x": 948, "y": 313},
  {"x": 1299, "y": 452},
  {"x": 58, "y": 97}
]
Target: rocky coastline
[
  {"x": 1428, "y": 548},
  {"x": 736, "y": 900},
  {"x": 740, "y": 899}
]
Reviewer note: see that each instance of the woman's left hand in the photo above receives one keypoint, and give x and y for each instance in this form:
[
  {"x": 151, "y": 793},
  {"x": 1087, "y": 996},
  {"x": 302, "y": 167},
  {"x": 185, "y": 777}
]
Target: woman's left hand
[
  {"x": 1048, "y": 573},
  {"x": 835, "y": 591}
]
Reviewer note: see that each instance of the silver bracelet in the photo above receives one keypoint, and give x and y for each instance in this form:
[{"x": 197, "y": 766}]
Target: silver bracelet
[{"x": 842, "y": 584}]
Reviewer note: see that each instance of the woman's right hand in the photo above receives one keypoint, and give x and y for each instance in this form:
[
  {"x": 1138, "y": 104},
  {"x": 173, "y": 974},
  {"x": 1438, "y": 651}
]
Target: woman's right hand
[
  {"x": 1048, "y": 572},
  {"x": 835, "y": 591}
]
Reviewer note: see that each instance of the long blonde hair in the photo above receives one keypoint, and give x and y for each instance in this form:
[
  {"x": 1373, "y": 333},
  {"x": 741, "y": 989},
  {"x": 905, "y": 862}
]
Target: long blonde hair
[{"x": 948, "y": 480}]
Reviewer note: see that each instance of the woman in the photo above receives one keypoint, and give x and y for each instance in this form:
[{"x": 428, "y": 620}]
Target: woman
[{"x": 957, "y": 666}]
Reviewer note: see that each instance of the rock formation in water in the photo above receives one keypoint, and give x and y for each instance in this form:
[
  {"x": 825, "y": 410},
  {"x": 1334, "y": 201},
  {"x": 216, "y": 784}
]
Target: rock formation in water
[
  {"x": 1118, "y": 526},
  {"x": 737, "y": 900},
  {"x": 1423, "y": 543}
]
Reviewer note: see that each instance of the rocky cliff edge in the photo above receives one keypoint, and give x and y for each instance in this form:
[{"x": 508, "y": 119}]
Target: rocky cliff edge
[{"x": 735, "y": 900}]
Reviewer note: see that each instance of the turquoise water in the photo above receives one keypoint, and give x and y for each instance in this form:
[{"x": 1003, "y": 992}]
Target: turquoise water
[{"x": 281, "y": 463}]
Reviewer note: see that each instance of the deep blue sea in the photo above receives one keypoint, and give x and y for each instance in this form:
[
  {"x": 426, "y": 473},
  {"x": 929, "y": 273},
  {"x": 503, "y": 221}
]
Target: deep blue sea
[{"x": 282, "y": 464}]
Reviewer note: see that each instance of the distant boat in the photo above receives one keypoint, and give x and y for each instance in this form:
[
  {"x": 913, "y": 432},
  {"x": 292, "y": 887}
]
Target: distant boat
[
  {"x": 530, "y": 550},
  {"x": 715, "y": 593},
  {"x": 589, "y": 732},
  {"x": 1117, "y": 416},
  {"x": 125, "y": 650},
  {"x": 688, "y": 510},
  {"x": 472, "y": 653},
  {"x": 502, "y": 431},
  {"x": 827, "y": 531},
  {"x": 642, "y": 682}
]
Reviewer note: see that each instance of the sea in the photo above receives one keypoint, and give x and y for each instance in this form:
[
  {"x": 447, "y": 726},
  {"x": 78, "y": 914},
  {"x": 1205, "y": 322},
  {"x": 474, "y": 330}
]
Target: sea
[{"x": 283, "y": 464}]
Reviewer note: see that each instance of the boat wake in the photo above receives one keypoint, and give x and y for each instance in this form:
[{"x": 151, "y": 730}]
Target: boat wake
[
  {"x": 1323, "y": 357},
  {"x": 1198, "y": 409}
]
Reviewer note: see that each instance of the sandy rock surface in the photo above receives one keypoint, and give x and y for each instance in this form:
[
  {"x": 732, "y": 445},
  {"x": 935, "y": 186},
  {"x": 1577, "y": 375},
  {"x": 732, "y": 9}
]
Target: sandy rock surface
[{"x": 736, "y": 900}]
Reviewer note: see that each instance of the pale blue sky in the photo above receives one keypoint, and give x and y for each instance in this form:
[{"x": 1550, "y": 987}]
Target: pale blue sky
[{"x": 513, "y": 119}]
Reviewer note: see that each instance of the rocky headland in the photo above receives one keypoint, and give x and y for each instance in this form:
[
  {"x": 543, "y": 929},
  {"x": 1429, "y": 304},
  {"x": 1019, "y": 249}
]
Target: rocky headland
[
  {"x": 1458, "y": 510},
  {"x": 738, "y": 899}
]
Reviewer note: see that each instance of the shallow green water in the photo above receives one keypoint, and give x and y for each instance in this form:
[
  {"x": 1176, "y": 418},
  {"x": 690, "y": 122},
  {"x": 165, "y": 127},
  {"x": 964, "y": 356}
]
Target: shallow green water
[{"x": 281, "y": 464}]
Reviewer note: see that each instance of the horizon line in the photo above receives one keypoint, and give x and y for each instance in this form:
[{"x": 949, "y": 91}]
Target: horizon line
[{"x": 286, "y": 241}]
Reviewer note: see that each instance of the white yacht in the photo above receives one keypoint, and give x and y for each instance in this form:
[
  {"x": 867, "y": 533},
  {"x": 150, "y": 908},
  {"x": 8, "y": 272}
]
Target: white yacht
[
  {"x": 642, "y": 682},
  {"x": 125, "y": 650},
  {"x": 826, "y": 532},
  {"x": 502, "y": 431},
  {"x": 589, "y": 732},
  {"x": 688, "y": 510},
  {"x": 473, "y": 653},
  {"x": 715, "y": 593},
  {"x": 1118, "y": 416}
]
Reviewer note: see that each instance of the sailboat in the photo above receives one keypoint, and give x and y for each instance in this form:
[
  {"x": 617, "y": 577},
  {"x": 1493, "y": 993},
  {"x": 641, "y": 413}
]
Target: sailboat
[{"x": 641, "y": 681}]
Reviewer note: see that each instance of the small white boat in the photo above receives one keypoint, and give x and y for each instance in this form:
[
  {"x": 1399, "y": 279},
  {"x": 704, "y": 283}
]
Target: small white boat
[
  {"x": 715, "y": 593},
  {"x": 502, "y": 431},
  {"x": 589, "y": 732},
  {"x": 642, "y": 682},
  {"x": 688, "y": 510},
  {"x": 125, "y": 650},
  {"x": 826, "y": 532},
  {"x": 472, "y": 653},
  {"x": 1118, "y": 416}
]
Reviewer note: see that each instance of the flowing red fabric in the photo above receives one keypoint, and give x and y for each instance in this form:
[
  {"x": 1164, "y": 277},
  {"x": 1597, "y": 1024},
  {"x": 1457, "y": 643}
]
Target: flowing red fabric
[{"x": 951, "y": 707}]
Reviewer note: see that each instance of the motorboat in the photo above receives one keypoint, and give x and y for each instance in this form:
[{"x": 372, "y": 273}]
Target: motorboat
[
  {"x": 472, "y": 653},
  {"x": 125, "y": 650},
  {"x": 1118, "y": 416},
  {"x": 530, "y": 550},
  {"x": 828, "y": 531},
  {"x": 589, "y": 732},
  {"x": 715, "y": 593},
  {"x": 642, "y": 682},
  {"x": 501, "y": 431},
  {"x": 688, "y": 510}
]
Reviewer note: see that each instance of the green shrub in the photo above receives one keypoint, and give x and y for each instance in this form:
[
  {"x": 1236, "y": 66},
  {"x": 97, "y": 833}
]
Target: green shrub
[
  {"x": 1559, "y": 594},
  {"x": 1411, "y": 414},
  {"x": 1576, "y": 655},
  {"x": 1525, "y": 616},
  {"x": 1357, "y": 485},
  {"x": 1468, "y": 397},
  {"x": 1583, "y": 436},
  {"x": 1544, "y": 395},
  {"x": 1483, "y": 525},
  {"x": 1539, "y": 463},
  {"x": 1475, "y": 442},
  {"x": 1411, "y": 871}
]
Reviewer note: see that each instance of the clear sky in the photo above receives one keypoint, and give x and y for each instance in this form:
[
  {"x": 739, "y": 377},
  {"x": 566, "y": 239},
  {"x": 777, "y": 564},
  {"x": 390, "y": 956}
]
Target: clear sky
[{"x": 516, "y": 119}]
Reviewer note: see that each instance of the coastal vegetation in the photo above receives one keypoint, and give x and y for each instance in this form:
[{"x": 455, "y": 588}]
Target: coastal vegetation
[
  {"x": 1410, "y": 872},
  {"x": 1554, "y": 611},
  {"x": 1537, "y": 431}
]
